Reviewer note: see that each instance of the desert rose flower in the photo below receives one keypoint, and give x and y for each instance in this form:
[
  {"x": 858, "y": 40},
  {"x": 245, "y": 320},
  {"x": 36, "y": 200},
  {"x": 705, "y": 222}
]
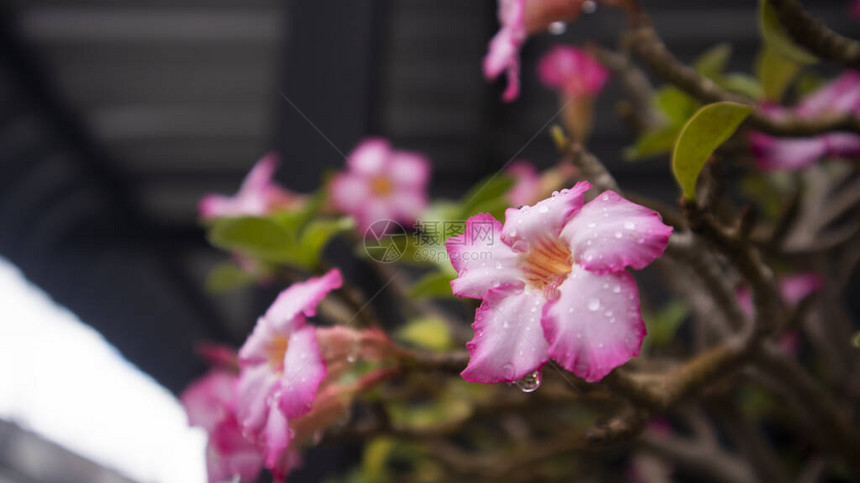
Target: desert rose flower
[
  {"x": 527, "y": 183},
  {"x": 381, "y": 183},
  {"x": 578, "y": 78},
  {"x": 258, "y": 194},
  {"x": 554, "y": 285},
  {"x": 840, "y": 96},
  {"x": 518, "y": 19},
  {"x": 210, "y": 403},
  {"x": 288, "y": 367}
]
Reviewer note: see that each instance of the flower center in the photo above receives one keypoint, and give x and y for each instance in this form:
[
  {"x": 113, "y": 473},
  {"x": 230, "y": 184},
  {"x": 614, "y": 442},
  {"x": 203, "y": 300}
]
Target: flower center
[
  {"x": 276, "y": 351},
  {"x": 381, "y": 185},
  {"x": 547, "y": 263}
]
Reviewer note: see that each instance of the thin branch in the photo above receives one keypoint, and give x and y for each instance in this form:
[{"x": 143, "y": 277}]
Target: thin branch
[{"x": 811, "y": 33}]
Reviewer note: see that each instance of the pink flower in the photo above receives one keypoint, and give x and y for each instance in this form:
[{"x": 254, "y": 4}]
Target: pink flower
[
  {"x": 840, "y": 96},
  {"x": 282, "y": 366},
  {"x": 504, "y": 49},
  {"x": 258, "y": 195},
  {"x": 553, "y": 284},
  {"x": 210, "y": 403},
  {"x": 381, "y": 184},
  {"x": 793, "y": 289},
  {"x": 855, "y": 9},
  {"x": 527, "y": 186},
  {"x": 572, "y": 71},
  {"x": 287, "y": 389}
]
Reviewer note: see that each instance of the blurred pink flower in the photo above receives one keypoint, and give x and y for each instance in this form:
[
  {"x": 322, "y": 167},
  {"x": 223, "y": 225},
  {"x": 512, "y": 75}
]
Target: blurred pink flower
[
  {"x": 571, "y": 71},
  {"x": 503, "y": 54},
  {"x": 554, "y": 285},
  {"x": 210, "y": 403},
  {"x": 840, "y": 96},
  {"x": 855, "y": 9},
  {"x": 527, "y": 183},
  {"x": 258, "y": 195},
  {"x": 381, "y": 183},
  {"x": 281, "y": 366}
]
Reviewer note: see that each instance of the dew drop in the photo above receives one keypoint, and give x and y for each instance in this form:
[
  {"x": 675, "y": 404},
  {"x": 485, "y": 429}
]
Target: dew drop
[
  {"x": 557, "y": 28},
  {"x": 592, "y": 224},
  {"x": 593, "y": 304},
  {"x": 589, "y": 6},
  {"x": 618, "y": 234},
  {"x": 629, "y": 225},
  {"x": 605, "y": 196},
  {"x": 499, "y": 266},
  {"x": 508, "y": 370},
  {"x": 555, "y": 194},
  {"x": 531, "y": 382},
  {"x": 616, "y": 288},
  {"x": 543, "y": 208}
]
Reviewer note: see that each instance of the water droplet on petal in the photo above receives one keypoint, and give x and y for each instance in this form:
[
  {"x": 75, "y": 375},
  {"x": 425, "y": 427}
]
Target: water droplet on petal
[
  {"x": 618, "y": 234},
  {"x": 543, "y": 208},
  {"x": 531, "y": 382},
  {"x": 593, "y": 304},
  {"x": 629, "y": 225},
  {"x": 592, "y": 224},
  {"x": 605, "y": 196},
  {"x": 508, "y": 370},
  {"x": 616, "y": 288},
  {"x": 589, "y": 6},
  {"x": 557, "y": 28},
  {"x": 499, "y": 266}
]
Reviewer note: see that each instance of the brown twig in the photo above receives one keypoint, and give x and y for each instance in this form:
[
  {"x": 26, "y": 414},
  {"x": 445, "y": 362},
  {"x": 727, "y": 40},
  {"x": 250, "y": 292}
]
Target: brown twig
[{"x": 811, "y": 33}]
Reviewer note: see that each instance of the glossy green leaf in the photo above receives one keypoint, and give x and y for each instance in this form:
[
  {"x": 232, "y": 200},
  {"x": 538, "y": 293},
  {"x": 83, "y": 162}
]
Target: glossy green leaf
[
  {"x": 484, "y": 191},
  {"x": 743, "y": 84},
  {"x": 258, "y": 237},
  {"x": 316, "y": 236},
  {"x": 775, "y": 72},
  {"x": 226, "y": 277},
  {"x": 676, "y": 104},
  {"x": 776, "y": 37},
  {"x": 710, "y": 127},
  {"x": 713, "y": 62},
  {"x": 653, "y": 143},
  {"x": 433, "y": 285},
  {"x": 428, "y": 332}
]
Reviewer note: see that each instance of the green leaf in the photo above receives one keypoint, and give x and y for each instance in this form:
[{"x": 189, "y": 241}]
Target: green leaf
[
  {"x": 676, "y": 104},
  {"x": 226, "y": 277},
  {"x": 743, "y": 84},
  {"x": 486, "y": 190},
  {"x": 776, "y": 38},
  {"x": 428, "y": 332},
  {"x": 316, "y": 236},
  {"x": 775, "y": 72},
  {"x": 258, "y": 237},
  {"x": 710, "y": 127},
  {"x": 855, "y": 340},
  {"x": 652, "y": 143},
  {"x": 713, "y": 62},
  {"x": 664, "y": 324},
  {"x": 433, "y": 285}
]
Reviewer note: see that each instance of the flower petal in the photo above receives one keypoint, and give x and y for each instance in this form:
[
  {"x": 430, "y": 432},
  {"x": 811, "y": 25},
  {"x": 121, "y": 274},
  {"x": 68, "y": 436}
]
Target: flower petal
[
  {"x": 797, "y": 287},
  {"x": 481, "y": 259},
  {"x": 254, "y": 390},
  {"x": 774, "y": 153},
  {"x": 209, "y": 399},
  {"x": 546, "y": 218},
  {"x": 611, "y": 233},
  {"x": 304, "y": 369},
  {"x": 595, "y": 326},
  {"x": 275, "y": 437},
  {"x": 840, "y": 95},
  {"x": 369, "y": 158},
  {"x": 348, "y": 191},
  {"x": 257, "y": 345},
  {"x": 301, "y": 298},
  {"x": 572, "y": 70},
  {"x": 408, "y": 170},
  {"x": 260, "y": 177},
  {"x": 509, "y": 342},
  {"x": 229, "y": 454}
]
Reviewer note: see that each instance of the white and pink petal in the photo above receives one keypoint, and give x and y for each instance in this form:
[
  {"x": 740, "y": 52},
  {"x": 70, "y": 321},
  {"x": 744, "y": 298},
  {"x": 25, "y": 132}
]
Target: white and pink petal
[
  {"x": 509, "y": 342},
  {"x": 301, "y": 298},
  {"x": 596, "y": 324},
  {"x": 545, "y": 219},
  {"x": 304, "y": 370},
  {"x": 482, "y": 261},
  {"x": 611, "y": 233}
]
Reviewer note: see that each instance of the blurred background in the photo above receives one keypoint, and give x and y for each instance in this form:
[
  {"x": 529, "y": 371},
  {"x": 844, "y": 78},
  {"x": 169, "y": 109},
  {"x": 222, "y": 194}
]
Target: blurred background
[{"x": 117, "y": 115}]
